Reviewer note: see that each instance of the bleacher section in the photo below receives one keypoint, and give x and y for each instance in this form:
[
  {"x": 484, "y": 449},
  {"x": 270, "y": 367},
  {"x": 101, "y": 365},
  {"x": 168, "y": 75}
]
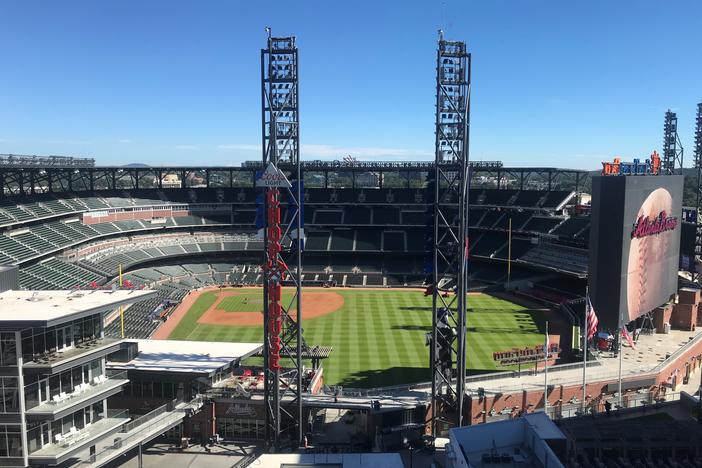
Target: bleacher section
[
  {"x": 341, "y": 223},
  {"x": 559, "y": 257},
  {"x": 35, "y": 241}
]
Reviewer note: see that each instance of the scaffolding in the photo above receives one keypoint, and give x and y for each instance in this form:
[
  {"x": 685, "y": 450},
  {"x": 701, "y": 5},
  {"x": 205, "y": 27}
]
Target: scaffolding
[{"x": 672, "y": 161}]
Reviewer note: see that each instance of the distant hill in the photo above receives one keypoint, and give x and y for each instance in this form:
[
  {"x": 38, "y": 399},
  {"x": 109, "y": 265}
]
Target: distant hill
[{"x": 136, "y": 165}]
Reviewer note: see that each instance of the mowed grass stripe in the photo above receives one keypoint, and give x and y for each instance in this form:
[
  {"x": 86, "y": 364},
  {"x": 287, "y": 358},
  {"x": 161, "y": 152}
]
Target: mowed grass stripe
[{"x": 379, "y": 336}]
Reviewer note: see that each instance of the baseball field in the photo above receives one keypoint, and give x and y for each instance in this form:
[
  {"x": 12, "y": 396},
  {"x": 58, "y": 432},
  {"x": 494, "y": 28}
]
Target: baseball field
[{"x": 377, "y": 335}]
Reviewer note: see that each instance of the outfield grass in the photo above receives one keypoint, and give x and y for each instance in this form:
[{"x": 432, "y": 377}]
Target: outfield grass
[{"x": 378, "y": 336}]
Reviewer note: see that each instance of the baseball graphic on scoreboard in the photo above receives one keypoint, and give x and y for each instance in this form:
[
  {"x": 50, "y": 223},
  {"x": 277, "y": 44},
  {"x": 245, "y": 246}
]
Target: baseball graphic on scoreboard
[{"x": 651, "y": 239}]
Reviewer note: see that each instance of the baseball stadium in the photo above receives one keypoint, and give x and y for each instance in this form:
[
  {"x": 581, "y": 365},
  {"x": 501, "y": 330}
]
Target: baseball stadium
[{"x": 474, "y": 312}]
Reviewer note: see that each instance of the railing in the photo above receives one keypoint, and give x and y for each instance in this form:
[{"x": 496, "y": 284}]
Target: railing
[
  {"x": 426, "y": 386},
  {"x": 133, "y": 424},
  {"x": 82, "y": 433},
  {"x": 141, "y": 425},
  {"x": 676, "y": 353},
  {"x": 628, "y": 402},
  {"x": 69, "y": 395}
]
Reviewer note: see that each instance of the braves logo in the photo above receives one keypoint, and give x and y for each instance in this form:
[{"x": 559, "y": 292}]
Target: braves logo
[
  {"x": 645, "y": 226},
  {"x": 240, "y": 410}
]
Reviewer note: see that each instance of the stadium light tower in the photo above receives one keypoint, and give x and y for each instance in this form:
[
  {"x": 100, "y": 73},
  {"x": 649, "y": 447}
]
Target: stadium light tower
[
  {"x": 698, "y": 166},
  {"x": 672, "y": 147},
  {"x": 282, "y": 242},
  {"x": 450, "y": 237}
]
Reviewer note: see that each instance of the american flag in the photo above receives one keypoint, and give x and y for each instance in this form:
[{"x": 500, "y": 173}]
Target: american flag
[
  {"x": 591, "y": 320},
  {"x": 627, "y": 337}
]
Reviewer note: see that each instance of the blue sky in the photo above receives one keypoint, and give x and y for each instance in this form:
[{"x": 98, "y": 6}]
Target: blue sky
[{"x": 555, "y": 83}]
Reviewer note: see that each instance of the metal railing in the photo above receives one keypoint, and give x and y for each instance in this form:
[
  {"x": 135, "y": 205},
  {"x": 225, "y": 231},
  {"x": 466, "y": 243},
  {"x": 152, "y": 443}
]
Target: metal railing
[
  {"x": 672, "y": 356},
  {"x": 141, "y": 420},
  {"x": 164, "y": 415},
  {"x": 424, "y": 387},
  {"x": 629, "y": 402},
  {"x": 71, "y": 395}
]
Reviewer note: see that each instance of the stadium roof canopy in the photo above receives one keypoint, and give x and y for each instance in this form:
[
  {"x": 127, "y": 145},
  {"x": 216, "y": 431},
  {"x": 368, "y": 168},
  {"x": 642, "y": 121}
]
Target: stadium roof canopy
[
  {"x": 194, "y": 357},
  {"x": 48, "y": 308}
]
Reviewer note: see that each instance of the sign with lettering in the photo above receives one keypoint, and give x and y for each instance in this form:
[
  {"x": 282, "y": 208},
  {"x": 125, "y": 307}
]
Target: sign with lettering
[
  {"x": 646, "y": 226},
  {"x": 650, "y": 166},
  {"x": 236, "y": 409},
  {"x": 272, "y": 177},
  {"x": 525, "y": 355}
]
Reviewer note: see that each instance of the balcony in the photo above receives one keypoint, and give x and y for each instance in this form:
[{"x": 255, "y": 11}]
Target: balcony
[
  {"x": 55, "y": 453},
  {"x": 138, "y": 431},
  {"x": 97, "y": 390},
  {"x": 79, "y": 354}
]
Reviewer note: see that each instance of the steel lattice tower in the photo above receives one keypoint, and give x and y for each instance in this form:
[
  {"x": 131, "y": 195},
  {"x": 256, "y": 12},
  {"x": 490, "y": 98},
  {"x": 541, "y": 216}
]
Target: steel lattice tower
[
  {"x": 450, "y": 237},
  {"x": 672, "y": 160},
  {"x": 283, "y": 343},
  {"x": 698, "y": 166}
]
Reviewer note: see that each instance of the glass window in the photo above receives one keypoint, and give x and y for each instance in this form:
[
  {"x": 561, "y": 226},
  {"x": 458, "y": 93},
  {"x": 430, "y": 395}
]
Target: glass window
[
  {"x": 96, "y": 368},
  {"x": 79, "y": 419},
  {"x": 11, "y": 441},
  {"x": 9, "y": 394},
  {"x": 8, "y": 349},
  {"x": 55, "y": 384},
  {"x": 50, "y": 337},
  {"x": 77, "y": 376},
  {"x": 55, "y": 428},
  {"x": 27, "y": 348},
  {"x": 39, "y": 344},
  {"x": 31, "y": 395},
  {"x": 158, "y": 390}
]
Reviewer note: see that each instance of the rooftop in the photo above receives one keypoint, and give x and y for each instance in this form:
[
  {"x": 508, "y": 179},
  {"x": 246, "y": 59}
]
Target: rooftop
[
  {"x": 47, "y": 308},
  {"x": 201, "y": 357},
  {"x": 331, "y": 460},
  {"x": 513, "y": 443}
]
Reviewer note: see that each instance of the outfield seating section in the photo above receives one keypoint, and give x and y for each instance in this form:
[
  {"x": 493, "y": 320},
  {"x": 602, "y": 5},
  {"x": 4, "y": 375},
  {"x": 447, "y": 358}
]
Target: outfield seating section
[
  {"x": 390, "y": 220},
  {"x": 559, "y": 257},
  {"x": 572, "y": 227}
]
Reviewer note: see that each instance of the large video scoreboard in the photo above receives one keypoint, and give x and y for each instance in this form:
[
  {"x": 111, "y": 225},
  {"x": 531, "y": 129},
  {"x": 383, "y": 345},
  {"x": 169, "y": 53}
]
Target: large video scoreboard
[{"x": 634, "y": 245}]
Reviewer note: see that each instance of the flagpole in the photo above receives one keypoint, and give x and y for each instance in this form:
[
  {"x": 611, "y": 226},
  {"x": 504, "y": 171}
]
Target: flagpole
[
  {"x": 584, "y": 344},
  {"x": 619, "y": 339},
  {"x": 546, "y": 372}
]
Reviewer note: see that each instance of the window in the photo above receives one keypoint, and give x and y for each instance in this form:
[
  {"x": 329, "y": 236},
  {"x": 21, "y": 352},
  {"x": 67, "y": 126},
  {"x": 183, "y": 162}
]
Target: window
[
  {"x": 10, "y": 441},
  {"x": 9, "y": 395},
  {"x": 8, "y": 349},
  {"x": 230, "y": 428}
]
